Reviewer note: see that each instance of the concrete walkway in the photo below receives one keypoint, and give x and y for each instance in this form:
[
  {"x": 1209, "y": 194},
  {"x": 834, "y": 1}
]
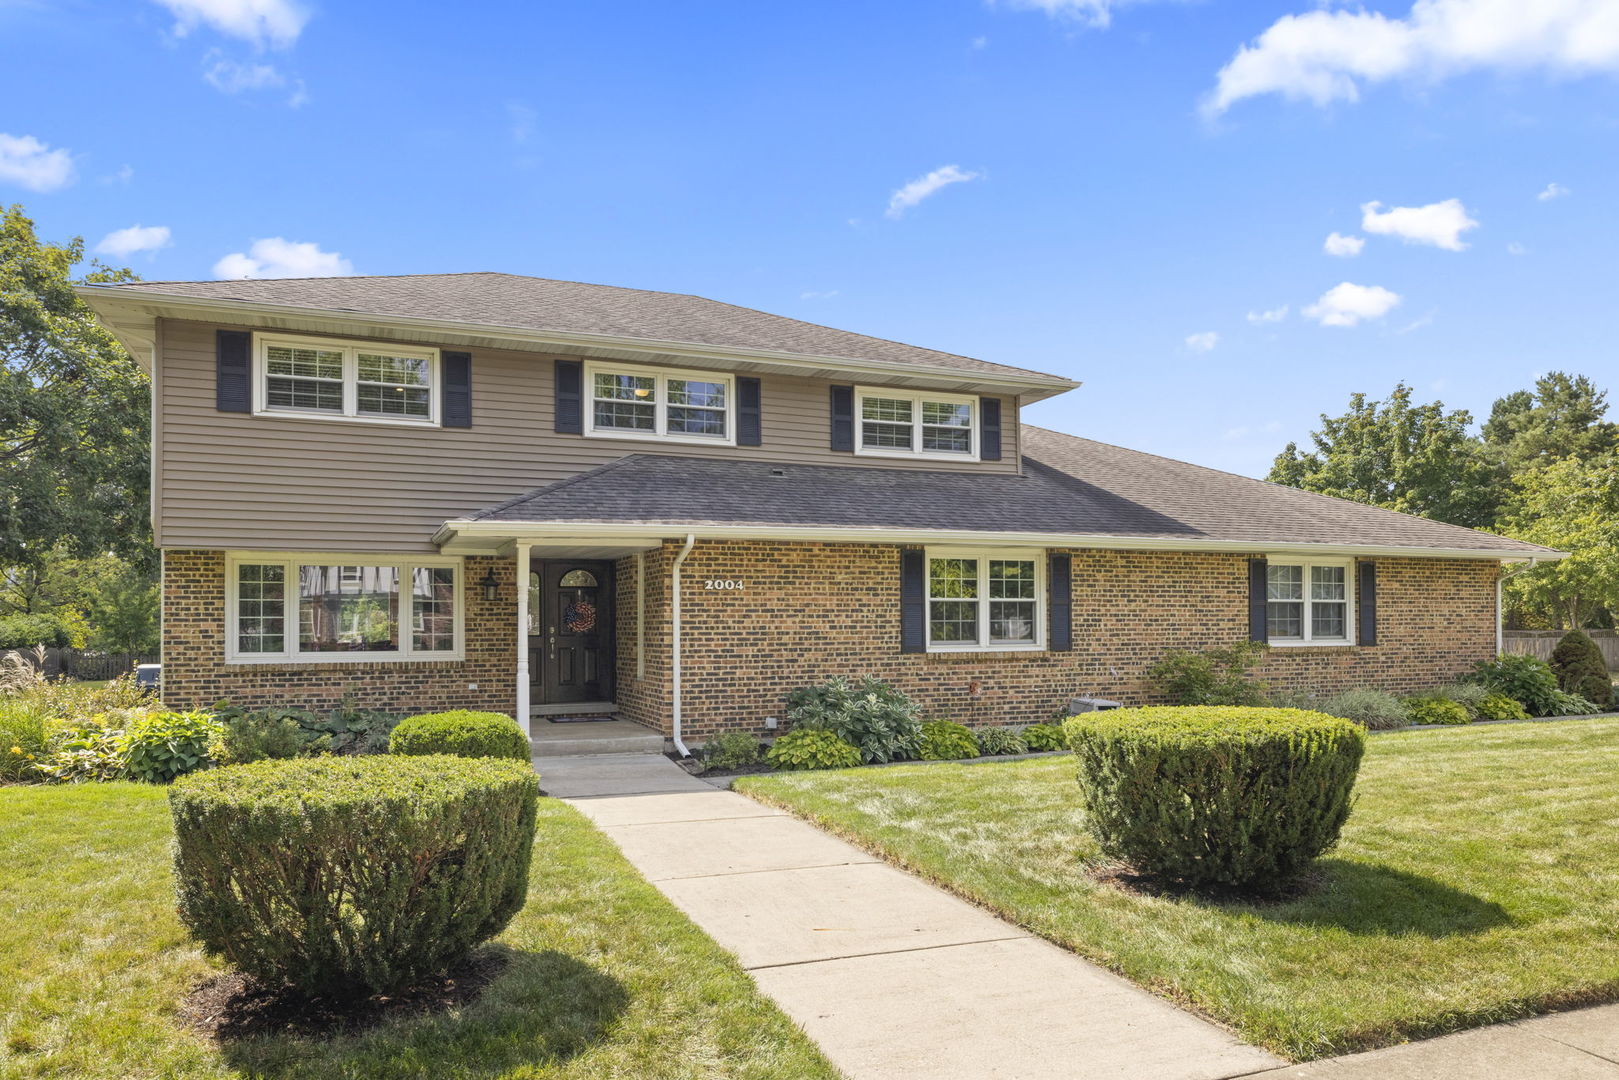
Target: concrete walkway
[{"x": 891, "y": 976}]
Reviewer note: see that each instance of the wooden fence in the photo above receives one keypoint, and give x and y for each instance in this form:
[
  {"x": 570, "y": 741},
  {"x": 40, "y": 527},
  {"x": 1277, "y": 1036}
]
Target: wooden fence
[
  {"x": 1541, "y": 643},
  {"x": 86, "y": 665}
]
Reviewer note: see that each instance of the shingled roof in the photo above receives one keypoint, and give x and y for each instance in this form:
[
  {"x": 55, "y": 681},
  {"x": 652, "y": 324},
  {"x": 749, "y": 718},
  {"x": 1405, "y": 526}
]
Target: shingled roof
[
  {"x": 1071, "y": 487},
  {"x": 513, "y": 301}
]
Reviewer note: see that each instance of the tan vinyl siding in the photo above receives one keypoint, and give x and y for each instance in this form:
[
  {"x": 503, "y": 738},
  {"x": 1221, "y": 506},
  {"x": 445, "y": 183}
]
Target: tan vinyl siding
[{"x": 232, "y": 480}]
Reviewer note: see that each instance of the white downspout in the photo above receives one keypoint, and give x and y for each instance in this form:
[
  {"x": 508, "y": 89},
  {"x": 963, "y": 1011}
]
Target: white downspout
[
  {"x": 522, "y": 638},
  {"x": 674, "y": 638}
]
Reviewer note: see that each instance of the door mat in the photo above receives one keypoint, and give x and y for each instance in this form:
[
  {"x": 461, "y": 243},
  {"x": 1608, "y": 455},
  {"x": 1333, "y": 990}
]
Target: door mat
[{"x": 588, "y": 718}]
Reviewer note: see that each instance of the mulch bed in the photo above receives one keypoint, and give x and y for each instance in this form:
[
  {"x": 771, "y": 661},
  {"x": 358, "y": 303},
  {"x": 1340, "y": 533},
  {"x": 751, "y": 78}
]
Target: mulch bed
[{"x": 234, "y": 1006}]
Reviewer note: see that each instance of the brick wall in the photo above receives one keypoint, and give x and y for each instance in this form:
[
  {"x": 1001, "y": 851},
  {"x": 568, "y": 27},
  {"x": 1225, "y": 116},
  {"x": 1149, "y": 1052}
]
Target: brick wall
[
  {"x": 195, "y": 672},
  {"x": 809, "y": 611}
]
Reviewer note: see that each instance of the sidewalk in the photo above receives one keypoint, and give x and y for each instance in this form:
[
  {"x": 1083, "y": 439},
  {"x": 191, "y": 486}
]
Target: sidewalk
[{"x": 891, "y": 976}]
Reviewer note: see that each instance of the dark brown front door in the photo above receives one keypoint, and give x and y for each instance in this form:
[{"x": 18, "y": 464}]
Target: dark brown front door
[{"x": 571, "y": 634}]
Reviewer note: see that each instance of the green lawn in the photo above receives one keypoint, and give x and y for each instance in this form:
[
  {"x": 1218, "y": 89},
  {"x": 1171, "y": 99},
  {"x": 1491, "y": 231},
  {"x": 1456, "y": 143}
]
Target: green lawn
[
  {"x": 1477, "y": 880},
  {"x": 606, "y": 978}
]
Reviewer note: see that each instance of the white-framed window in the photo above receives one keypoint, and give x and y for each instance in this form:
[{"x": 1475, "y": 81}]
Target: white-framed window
[
  {"x": 347, "y": 380},
  {"x": 903, "y": 423},
  {"x": 627, "y": 402},
  {"x": 314, "y": 608},
  {"x": 1309, "y": 601},
  {"x": 985, "y": 600}
]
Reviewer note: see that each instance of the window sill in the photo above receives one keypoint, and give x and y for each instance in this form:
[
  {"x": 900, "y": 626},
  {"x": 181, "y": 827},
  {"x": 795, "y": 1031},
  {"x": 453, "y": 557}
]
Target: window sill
[
  {"x": 1311, "y": 644},
  {"x": 913, "y": 455},
  {"x": 343, "y": 659},
  {"x": 652, "y": 436},
  {"x": 337, "y": 418},
  {"x": 979, "y": 652}
]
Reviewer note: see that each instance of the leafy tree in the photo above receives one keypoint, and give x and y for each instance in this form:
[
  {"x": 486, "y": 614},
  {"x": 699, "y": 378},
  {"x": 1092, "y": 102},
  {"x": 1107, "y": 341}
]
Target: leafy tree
[
  {"x": 1561, "y": 417},
  {"x": 1572, "y": 506},
  {"x": 74, "y": 416},
  {"x": 1418, "y": 459}
]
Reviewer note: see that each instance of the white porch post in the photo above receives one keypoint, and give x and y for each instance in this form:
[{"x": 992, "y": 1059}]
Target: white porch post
[{"x": 522, "y": 637}]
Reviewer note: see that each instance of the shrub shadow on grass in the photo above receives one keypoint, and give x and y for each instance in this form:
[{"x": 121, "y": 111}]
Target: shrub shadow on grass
[
  {"x": 1366, "y": 898},
  {"x": 536, "y": 1009}
]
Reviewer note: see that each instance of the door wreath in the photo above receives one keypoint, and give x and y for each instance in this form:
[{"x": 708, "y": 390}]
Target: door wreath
[{"x": 579, "y": 617}]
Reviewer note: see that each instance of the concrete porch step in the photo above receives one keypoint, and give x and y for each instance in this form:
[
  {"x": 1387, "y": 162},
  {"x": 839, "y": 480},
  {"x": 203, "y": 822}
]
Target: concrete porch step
[{"x": 604, "y": 737}]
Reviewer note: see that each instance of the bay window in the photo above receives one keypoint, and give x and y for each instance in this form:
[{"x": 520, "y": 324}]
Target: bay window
[
  {"x": 896, "y": 423},
  {"x": 1308, "y": 601},
  {"x": 342, "y": 607},
  {"x": 346, "y": 380},
  {"x": 653, "y": 403},
  {"x": 985, "y": 600}
]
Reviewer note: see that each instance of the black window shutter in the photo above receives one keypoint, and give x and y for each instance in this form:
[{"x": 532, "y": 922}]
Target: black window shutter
[
  {"x": 1059, "y": 570},
  {"x": 233, "y": 370},
  {"x": 989, "y": 429},
  {"x": 748, "y": 432},
  {"x": 913, "y": 600},
  {"x": 455, "y": 376},
  {"x": 1256, "y": 600},
  {"x": 843, "y": 418},
  {"x": 570, "y": 408},
  {"x": 1366, "y": 618}
]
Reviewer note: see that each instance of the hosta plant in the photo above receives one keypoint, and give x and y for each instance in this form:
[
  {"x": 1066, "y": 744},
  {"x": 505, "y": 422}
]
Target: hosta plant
[
  {"x": 997, "y": 741},
  {"x": 812, "y": 748},
  {"x": 946, "y": 740},
  {"x": 1043, "y": 737}
]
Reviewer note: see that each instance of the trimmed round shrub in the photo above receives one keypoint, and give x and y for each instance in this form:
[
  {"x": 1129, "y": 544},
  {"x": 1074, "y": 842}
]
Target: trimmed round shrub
[
  {"x": 812, "y": 748},
  {"x": 996, "y": 741},
  {"x": 870, "y": 715},
  {"x": 349, "y": 876},
  {"x": 1500, "y": 707},
  {"x": 1436, "y": 710},
  {"x": 159, "y": 746},
  {"x": 732, "y": 750},
  {"x": 1580, "y": 669},
  {"x": 946, "y": 740},
  {"x": 1216, "y": 796},
  {"x": 1378, "y": 710},
  {"x": 461, "y": 734},
  {"x": 1043, "y": 737}
]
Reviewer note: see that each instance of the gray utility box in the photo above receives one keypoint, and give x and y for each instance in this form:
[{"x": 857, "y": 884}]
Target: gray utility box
[{"x": 1089, "y": 704}]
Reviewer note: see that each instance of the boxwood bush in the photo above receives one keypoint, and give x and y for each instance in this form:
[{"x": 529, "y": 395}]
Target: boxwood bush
[
  {"x": 1216, "y": 795},
  {"x": 461, "y": 734},
  {"x": 946, "y": 740},
  {"x": 349, "y": 876},
  {"x": 812, "y": 748}
]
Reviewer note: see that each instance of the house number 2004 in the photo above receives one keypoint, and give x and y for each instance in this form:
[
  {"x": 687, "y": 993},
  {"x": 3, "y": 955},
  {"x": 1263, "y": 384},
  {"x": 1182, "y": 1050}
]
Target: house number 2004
[{"x": 722, "y": 583}]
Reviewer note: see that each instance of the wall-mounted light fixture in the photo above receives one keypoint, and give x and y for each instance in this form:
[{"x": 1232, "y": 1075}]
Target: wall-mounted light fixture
[{"x": 491, "y": 586}]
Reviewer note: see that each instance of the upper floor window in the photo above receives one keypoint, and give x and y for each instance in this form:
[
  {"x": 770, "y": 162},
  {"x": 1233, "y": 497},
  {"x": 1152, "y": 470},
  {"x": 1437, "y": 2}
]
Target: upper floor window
[
  {"x": 653, "y": 403},
  {"x": 1308, "y": 602},
  {"x": 904, "y": 424},
  {"x": 375, "y": 382}
]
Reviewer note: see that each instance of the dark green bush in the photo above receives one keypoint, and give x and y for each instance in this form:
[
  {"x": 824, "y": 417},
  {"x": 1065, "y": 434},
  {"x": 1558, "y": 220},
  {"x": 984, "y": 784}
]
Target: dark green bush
[
  {"x": 251, "y": 737},
  {"x": 1526, "y": 679},
  {"x": 812, "y": 748},
  {"x": 1235, "y": 797},
  {"x": 732, "y": 750},
  {"x": 1377, "y": 710},
  {"x": 1580, "y": 669},
  {"x": 462, "y": 734},
  {"x": 160, "y": 746},
  {"x": 946, "y": 740},
  {"x": 1044, "y": 737},
  {"x": 1211, "y": 677},
  {"x": 1500, "y": 707},
  {"x": 347, "y": 876},
  {"x": 1431, "y": 709},
  {"x": 994, "y": 742},
  {"x": 344, "y": 730},
  {"x": 870, "y": 715},
  {"x": 26, "y": 631}
]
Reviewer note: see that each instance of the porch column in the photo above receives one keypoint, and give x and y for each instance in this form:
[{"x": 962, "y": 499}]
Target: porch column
[{"x": 522, "y": 637}]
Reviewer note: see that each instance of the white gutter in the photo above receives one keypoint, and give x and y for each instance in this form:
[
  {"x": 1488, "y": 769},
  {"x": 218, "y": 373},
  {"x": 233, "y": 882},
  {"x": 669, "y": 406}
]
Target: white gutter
[
  {"x": 674, "y": 638},
  {"x": 585, "y": 532},
  {"x": 1500, "y": 640},
  {"x": 114, "y": 296}
]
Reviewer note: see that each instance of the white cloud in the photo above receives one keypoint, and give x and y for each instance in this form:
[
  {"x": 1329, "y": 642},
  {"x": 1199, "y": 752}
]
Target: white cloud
[
  {"x": 1346, "y": 304},
  {"x": 980, "y": 42},
  {"x": 1204, "y": 342},
  {"x": 920, "y": 188},
  {"x": 1274, "y": 315},
  {"x": 275, "y": 257},
  {"x": 273, "y": 23},
  {"x": 124, "y": 175},
  {"x": 1233, "y": 434},
  {"x": 1343, "y": 246},
  {"x": 232, "y": 77},
  {"x": 827, "y": 295},
  {"x": 1516, "y": 248},
  {"x": 1440, "y": 224},
  {"x": 1554, "y": 190},
  {"x": 137, "y": 238},
  {"x": 29, "y": 163},
  {"x": 1327, "y": 55},
  {"x": 1096, "y": 13}
]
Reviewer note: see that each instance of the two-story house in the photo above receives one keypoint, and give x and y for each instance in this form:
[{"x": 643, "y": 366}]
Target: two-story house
[{"x": 543, "y": 497}]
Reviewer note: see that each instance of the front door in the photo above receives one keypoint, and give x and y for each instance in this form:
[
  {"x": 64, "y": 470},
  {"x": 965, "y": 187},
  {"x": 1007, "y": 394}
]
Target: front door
[{"x": 571, "y": 631}]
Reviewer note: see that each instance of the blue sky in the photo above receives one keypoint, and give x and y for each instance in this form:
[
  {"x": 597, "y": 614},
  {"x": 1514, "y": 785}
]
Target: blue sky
[{"x": 1112, "y": 183}]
